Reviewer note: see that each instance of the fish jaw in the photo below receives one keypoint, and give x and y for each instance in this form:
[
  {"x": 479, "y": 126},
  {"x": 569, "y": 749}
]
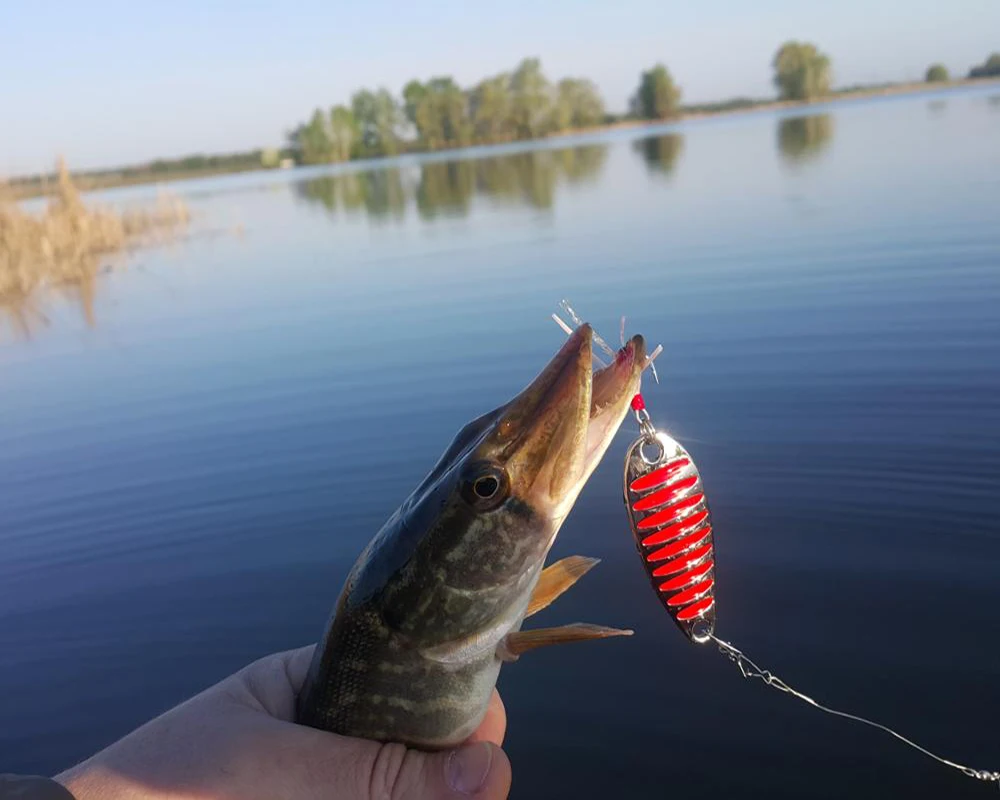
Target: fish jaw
[
  {"x": 540, "y": 436},
  {"x": 552, "y": 436},
  {"x": 612, "y": 390}
]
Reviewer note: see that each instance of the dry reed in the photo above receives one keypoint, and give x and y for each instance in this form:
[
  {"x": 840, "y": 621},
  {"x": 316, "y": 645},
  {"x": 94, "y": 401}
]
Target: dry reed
[{"x": 68, "y": 242}]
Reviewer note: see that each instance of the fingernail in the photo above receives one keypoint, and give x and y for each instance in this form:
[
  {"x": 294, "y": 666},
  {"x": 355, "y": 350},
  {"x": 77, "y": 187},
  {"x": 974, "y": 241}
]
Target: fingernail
[{"x": 467, "y": 768}]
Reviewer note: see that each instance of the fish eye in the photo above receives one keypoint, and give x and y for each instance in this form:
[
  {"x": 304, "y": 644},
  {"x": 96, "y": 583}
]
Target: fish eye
[{"x": 486, "y": 486}]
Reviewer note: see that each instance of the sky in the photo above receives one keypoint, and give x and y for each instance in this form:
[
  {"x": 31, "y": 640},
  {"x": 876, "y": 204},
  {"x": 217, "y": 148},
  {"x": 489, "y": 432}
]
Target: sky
[{"x": 109, "y": 82}]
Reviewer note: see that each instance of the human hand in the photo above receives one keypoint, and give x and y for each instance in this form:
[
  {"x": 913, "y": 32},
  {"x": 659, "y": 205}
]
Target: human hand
[{"x": 237, "y": 740}]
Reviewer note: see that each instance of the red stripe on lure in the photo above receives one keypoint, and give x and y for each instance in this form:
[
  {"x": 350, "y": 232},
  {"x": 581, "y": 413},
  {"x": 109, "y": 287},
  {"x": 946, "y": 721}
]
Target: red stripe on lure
[
  {"x": 664, "y": 496},
  {"x": 678, "y": 565},
  {"x": 681, "y": 528},
  {"x": 680, "y": 546},
  {"x": 686, "y": 578},
  {"x": 670, "y": 514},
  {"x": 658, "y": 476},
  {"x": 699, "y": 610},
  {"x": 672, "y": 526}
]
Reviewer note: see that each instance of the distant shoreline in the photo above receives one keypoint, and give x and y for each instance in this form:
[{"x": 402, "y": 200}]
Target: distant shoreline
[
  {"x": 751, "y": 106},
  {"x": 25, "y": 188}
]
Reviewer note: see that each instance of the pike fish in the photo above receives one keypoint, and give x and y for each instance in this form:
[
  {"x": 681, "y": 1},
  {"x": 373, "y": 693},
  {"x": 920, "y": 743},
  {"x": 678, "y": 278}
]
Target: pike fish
[{"x": 434, "y": 605}]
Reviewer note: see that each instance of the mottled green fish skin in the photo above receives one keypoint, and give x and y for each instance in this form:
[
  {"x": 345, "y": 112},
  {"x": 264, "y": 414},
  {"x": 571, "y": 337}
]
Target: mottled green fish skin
[
  {"x": 409, "y": 653},
  {"x": 372, "y": 678}
]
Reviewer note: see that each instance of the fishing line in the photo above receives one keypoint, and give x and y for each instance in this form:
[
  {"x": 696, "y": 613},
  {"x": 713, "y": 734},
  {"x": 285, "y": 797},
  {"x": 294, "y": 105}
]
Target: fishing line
[
  {"x": 750, "y": 671},
  {"x": 671, "y": 524}
]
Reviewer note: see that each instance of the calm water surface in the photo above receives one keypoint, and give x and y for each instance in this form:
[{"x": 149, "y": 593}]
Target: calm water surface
[{"x": 187, "y": 477}]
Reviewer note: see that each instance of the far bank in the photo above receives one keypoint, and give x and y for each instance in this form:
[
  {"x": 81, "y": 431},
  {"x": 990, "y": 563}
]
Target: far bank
[{"x": 26, "y": 188}]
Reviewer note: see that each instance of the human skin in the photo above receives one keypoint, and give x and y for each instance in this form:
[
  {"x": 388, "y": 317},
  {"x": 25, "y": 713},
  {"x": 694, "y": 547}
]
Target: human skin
[{"x": 237, "y": 739}]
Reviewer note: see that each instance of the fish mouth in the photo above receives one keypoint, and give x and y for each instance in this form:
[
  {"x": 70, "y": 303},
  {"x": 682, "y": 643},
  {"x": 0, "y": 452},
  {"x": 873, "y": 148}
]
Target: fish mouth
[
  {"x": 612, "y": 390},
  {"x": 553, "y": 435}
]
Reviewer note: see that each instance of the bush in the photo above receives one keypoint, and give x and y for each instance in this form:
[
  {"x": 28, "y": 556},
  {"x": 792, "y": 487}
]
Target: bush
[{"x": 936, "y": 73}]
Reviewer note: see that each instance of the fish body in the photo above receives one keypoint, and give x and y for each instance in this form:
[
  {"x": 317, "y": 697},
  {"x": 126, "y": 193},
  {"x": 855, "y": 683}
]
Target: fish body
[{"x": 435, "y": 602}]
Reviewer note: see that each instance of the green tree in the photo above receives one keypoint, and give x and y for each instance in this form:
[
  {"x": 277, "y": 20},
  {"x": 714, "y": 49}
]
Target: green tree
[
  {"x": 490, "y": 107},
  {"x": 936, "y": 73},
  {"x": 344, "y": 133},
  {"x": 801, "y": 71},
  {"x": 413, "y": 95},
  {"x": 578, "y": 104},
  {"x": 988, "y": 69},
  {"x": 312, "y": 140},
  {"x": 452, "y": 105},
  {"x": 378, "y": 118},
  {"x": 439, "y": 111},
  {"x": 531, "y": 100},
  {"x": 657, "y": 97},
  {"x": 420, "y": 110}
]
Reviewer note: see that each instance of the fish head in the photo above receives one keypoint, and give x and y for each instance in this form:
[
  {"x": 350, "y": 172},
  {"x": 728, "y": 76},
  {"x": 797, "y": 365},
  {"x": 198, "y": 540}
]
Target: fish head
[
  {"x": 463, "y": 552},
  {"x": 537, "y": 451}
]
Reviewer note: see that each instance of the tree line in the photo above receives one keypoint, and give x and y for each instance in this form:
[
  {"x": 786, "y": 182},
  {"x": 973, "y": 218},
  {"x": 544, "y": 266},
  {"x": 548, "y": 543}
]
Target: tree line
[
  {"x": 521, "y": 104},
  {"x": 438, "y": 113},
  {"x": 990, "y": 68},
  {"x": 516, "y": 105},
  {"x": 525, "y": 104}
]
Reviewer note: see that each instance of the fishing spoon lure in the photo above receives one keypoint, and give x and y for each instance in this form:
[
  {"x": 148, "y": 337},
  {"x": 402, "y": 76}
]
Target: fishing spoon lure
[{"x": 671, "y": 525}]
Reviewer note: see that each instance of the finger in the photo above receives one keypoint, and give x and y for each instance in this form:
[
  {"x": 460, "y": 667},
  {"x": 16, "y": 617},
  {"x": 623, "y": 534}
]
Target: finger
[
  {"x": 479, "y": 770},
  {"x": 304, "y": 763},
  {"x": 494, "y": 724},
  {"x": 297, "y": 665},
  {"x": 271, "y": 683}
]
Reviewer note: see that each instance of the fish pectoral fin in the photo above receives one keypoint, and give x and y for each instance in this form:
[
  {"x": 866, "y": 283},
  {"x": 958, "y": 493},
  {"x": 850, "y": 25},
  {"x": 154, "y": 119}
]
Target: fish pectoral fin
[
  {"x": 556, "y": 579},
  {"x": 514, "y": 644}
]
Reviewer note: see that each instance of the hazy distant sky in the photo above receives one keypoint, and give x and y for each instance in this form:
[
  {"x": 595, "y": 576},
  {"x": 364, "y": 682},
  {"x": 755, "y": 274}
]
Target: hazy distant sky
[{"x": 113, "y": 81}]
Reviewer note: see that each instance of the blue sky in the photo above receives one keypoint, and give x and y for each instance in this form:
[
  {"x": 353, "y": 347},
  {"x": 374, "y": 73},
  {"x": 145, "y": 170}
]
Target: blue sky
[{"x": 108, "y": 82}]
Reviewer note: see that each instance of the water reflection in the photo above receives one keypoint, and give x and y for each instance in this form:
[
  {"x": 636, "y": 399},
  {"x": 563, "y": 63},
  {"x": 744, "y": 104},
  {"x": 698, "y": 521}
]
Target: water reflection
[
  {"x": 994, "y": 101},
  {"x": 23, "y": 315},
  {"x": 447, "y": 188},
  {"x": 804, "y": 138},
  {"x": 20, "y": 317},
  {"x": 379, "y": 193},
  {"x": 582, "y": 164},
  {"x": 660, "y": 152}
]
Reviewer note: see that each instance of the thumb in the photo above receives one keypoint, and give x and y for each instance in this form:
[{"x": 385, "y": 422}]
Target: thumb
[{"x": 480, "y": 770}]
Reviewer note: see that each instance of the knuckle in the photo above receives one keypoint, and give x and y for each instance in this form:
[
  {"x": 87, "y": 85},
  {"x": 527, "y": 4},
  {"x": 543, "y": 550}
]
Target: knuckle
[{"x": 386, "y": 772}]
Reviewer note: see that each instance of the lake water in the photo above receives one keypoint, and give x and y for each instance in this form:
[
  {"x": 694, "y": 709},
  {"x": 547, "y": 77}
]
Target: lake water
[{"x": 194, "y": 450}]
